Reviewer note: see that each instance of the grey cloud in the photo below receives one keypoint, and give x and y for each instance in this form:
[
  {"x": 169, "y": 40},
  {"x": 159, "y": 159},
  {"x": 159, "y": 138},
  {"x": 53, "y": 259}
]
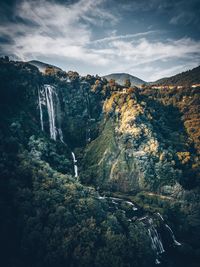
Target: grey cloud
[
  {"x": 67, "y": 29},
  {"x": 5, "y": 40},
  {"x": 184, "y": 18}
]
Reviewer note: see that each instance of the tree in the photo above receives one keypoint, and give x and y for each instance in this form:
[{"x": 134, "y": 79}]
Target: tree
[{"x": 127, "y": 83}]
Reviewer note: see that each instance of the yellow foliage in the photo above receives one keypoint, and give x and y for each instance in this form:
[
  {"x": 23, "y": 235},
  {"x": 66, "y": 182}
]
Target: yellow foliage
[{"x": 184, "y": 157}]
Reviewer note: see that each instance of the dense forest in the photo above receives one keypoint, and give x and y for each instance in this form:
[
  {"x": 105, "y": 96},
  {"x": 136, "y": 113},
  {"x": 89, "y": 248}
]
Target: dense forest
[{"x": 131, "y": 192}]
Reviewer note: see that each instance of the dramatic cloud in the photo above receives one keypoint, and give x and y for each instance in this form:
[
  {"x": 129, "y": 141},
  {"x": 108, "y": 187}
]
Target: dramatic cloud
[
  {"x": 138, "y": 54},
  {"x": 92, "y": 36},
  {"x": 120, "y": 37},
  {"x": 43, "y": 28}
]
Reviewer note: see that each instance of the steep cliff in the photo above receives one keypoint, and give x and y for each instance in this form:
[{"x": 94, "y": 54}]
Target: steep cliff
[{"x": 143, "y": 145}]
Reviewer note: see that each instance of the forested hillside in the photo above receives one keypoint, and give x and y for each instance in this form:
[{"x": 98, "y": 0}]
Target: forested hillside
[
  {"x": 186, "y": 78},
  {"x": 93, "y": 175}
]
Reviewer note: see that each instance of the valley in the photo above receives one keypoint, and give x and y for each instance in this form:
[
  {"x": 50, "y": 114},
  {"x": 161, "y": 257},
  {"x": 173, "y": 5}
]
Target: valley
[{"x": 94, "y": 173}]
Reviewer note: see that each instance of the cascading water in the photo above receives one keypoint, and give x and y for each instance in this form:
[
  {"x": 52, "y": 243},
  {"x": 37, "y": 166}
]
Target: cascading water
[
  {"x": 75, "y": 165},
  {"x": 88, "y": 136},
  {"x": 160, "y": 216},
  {"x": 48, "y": 97},
  {"x": 50, "y": 108},
  {"x": 172, "y": 235},
  {"x": 156, "y": 241},
  {"x": 146, "y": 220},
  {"x": 169, "y": 230}
]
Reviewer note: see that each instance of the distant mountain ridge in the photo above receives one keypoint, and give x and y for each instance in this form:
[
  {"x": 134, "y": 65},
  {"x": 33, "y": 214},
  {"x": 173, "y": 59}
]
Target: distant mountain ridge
[
  {"x": 185, "y": 78},
  {"x": 121, "y": 77},
  {"x": 42, "y": 66}
]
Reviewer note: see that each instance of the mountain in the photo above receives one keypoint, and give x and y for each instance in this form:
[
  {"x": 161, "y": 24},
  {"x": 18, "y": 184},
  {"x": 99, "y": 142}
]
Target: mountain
[
  {"x": 185, "y": 78},
  {"x": 42, "y": 66},
  {"x": 120, "y": 78},
  {"x": 91, "y": 175}
]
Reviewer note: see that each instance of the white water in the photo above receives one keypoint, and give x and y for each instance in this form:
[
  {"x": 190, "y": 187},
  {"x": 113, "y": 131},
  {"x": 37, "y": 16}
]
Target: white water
[
  {"x": 114, "y": 202},
  {"x": 131, "y": 204},
  {"x": 100, "y": 197},
  {"x": 88, "y": 137},
  {"x": 172, "y": 235},
  {"x": 160, "y": 216},
  {"x": 50, "y": 108},
  {"x": 75, "y": 166},
  {"x": 155, "y": 238},
  {"x": 40, "y": 107},
  {"x": 156, "y": 241},
  {"x": 157, "y": 261},
  {"x": 142, "y": 218}
]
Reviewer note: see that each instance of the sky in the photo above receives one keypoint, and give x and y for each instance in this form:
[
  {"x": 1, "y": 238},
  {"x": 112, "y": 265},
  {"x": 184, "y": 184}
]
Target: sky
[{"x": 150, "y": 39}]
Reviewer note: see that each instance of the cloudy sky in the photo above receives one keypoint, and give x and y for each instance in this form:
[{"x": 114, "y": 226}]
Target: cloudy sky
[{"x": 149, "y": 39}]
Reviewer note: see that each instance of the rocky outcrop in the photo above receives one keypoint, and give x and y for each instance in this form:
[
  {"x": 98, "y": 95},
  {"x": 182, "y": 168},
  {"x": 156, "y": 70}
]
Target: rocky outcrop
[{"x": 129, "y": 155}]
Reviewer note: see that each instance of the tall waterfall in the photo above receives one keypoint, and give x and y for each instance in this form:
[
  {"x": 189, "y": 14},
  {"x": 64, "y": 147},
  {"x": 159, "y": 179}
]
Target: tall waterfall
[
  {"x": 48, "y": 99},
  {"x": 50, "y": 108}
]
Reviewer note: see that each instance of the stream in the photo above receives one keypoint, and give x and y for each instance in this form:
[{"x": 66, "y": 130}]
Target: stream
[{"x": 135, "y": 213}]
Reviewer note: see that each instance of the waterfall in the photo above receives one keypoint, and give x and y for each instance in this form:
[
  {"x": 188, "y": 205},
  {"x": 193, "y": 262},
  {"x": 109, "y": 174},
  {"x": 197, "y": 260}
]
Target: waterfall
[
  {"x": 40, "y": 108},
  {"x": 88, "y": 138},
  {"x": 48, "y": 97},
  {"x": 156, "y": 241},
  {"x": 50, "y": 109},
  {"x": 147, "y": 221},
  {"x": 172, "y": 235},
  {"x": 131, "y": 204},
  {"x": 75, "y": 165},
  {"x": 160, "y": 216}
]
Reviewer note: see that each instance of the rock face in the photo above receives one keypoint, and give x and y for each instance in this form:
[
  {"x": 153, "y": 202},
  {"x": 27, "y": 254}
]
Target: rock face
[{"x": 129, "y": 155}]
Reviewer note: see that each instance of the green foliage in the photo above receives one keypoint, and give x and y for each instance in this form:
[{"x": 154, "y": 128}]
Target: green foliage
[
  {"x": 184, "y": 78},
  {"x": 103, "y": 144},
  {"x": 127, "y": 83},
  {"x": 48, "y": 218},
  {"x": 65, "y": 219}
]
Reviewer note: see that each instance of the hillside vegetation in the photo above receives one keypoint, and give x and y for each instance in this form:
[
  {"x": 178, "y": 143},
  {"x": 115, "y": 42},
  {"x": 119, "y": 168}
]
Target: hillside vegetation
[
  {"x": 140, "y": 146},
  {"x": 185, "y": 78}
]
